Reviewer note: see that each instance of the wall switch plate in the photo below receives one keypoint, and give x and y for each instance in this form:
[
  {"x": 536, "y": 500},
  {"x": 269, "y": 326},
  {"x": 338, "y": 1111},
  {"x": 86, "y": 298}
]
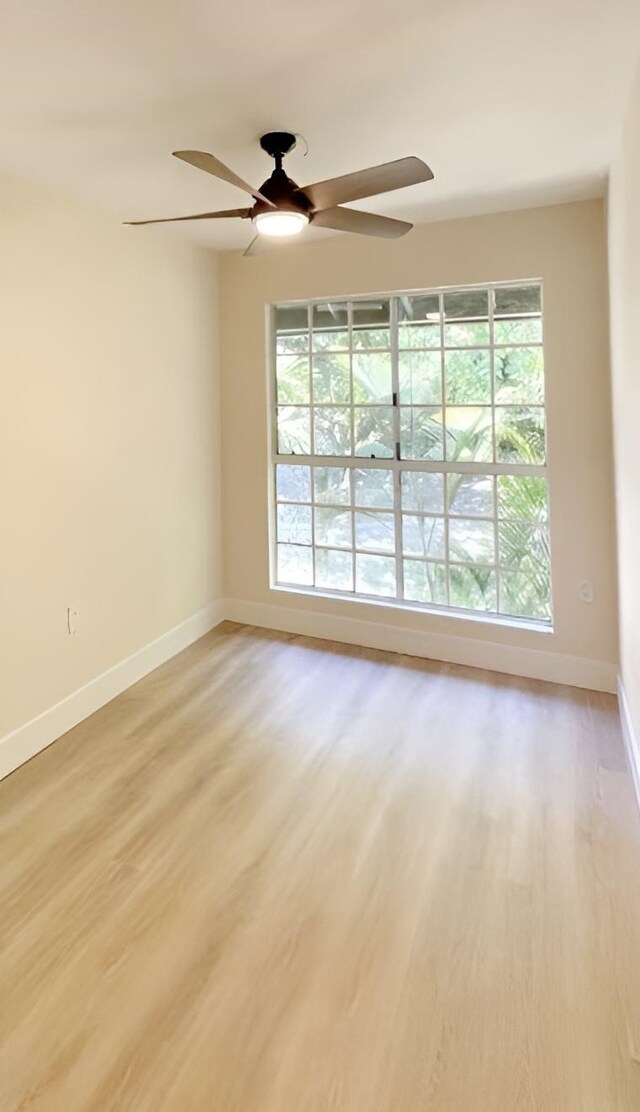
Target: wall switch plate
[
  {"x": 586, "y": 591},
  {"x": 72, "y": 619}
]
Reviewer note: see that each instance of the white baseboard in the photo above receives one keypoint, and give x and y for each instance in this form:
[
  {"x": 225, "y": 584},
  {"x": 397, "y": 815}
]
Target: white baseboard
[
  {"x": 23, "y": 743},
  {"x": 597, "y": 675},
  {"x": 631, "y": 739}
]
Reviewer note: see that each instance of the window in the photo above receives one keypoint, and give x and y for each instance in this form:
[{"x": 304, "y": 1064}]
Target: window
[{"x": 409, "y": 450}]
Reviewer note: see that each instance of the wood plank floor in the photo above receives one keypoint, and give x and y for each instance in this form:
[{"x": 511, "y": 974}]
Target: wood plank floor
[{"x": 281, "y": 875}]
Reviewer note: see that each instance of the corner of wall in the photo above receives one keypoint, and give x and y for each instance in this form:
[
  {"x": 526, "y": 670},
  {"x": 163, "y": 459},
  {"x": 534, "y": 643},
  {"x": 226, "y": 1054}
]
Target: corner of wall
[{"x": 631, "y": 738}]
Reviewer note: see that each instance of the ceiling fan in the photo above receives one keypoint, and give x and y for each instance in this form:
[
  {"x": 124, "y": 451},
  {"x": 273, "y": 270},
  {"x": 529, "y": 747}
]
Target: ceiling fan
[{"x": 282, "y": 208}]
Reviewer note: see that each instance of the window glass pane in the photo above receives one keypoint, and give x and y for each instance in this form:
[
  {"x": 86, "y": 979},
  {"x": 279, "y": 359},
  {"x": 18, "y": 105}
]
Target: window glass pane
[
  {"x": 472, "y": 588},
  {"x": 466, "y": 334},
  {"x": 469, "y": 433},
  {"x": 331, "y": 340},
  {"x": 376, "y": 575},
  {"x": 334, "y": 570},
  {"x": 375, "y": 530},
  {"x": 518, "y": 331},
  {"x": 523, "y": 544},
  {"x": 293, "y": 483},
  {"x": 374, "y": 431},
  {"x": 419, "y": 336},
  {"x": 374, "y": 487},
  {"x": 471, "y": 541},
  {"x": 425, "y": 582},
  {"x": 369, "y": 338},
  {"x": 423, "y": 536},
  {"x": 520, "y": 435},
  {"x": 370, "y": 324},
  {"x": 419, "y": 321},
  {"x": 333, "y": 527},
  {"x": 470, "y": 495},
  {"x": 330, "y": 327},
  {"x": 332, "y": 431},
  {"x": 421, "y": 432},
  {"x": 292, "y": 329},
  {"x": 522, "y": 497},
  {"x": 332, "y": 484},
  {"x": 525, "y": 596},
  {"x": 466, "y": 305},
  {"x": 418, "y": 307},
  {"x": 519, "y": 376},
  {"x": 294, "y": 431},
  {"x": 371, "y": 377},
  {"x": 295, "y": 564},
  {"x": 516, "y": 300},
  {"x": 420, "y": 374},
  {"x": 293, "y": 379},
  {"x": 331, "y": 378},
  {"x": 294, "y": 524},
  {"x": 467, "y": 377},
  {"x": 422, "y": 491}
]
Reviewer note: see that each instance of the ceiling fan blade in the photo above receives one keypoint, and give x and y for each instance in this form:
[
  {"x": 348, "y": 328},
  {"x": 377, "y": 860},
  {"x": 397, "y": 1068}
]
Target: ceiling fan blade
[
  {"x": 367, "y": 183},
  {"x": 243, "y": 213},
  {"x": 363, "y": 223},
  {"x": 212, "y": 165}
]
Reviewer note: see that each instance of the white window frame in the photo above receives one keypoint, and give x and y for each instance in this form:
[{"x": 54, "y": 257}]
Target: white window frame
[{"x": 397, "y": 464}]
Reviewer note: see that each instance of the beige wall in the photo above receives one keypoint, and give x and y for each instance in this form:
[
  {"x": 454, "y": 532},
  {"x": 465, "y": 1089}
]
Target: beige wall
[
  {"x": 565, "y": 245},
  {"x": 624, "y": 268},
  {"x": 109, "y": 495}
]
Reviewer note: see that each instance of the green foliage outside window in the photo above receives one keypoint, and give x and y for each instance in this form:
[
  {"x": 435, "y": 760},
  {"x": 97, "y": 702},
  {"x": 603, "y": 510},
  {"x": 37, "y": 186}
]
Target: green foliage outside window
[{"x": 454, "y": 380}]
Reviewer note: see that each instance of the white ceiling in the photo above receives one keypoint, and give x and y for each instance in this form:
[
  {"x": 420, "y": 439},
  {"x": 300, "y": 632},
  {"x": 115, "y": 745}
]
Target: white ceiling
[{"x": 511, "y": 103}]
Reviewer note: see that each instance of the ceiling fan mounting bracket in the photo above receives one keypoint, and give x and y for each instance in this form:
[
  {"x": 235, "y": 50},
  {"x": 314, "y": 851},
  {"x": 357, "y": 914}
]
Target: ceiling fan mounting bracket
[{"x": 278, "y": 144}]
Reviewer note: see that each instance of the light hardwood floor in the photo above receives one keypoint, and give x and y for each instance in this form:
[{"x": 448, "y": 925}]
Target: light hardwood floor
[{"x": 281, "y": 875}]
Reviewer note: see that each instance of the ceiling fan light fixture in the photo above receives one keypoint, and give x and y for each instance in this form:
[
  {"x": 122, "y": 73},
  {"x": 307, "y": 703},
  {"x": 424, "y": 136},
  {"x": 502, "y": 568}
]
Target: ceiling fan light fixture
[{"x": 278, "y": 223}]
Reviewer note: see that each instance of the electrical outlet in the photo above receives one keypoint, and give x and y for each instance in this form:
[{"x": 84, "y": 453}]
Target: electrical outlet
[
  {"x": 586, "y": 591},
  {"x": 72, "y": 619}
]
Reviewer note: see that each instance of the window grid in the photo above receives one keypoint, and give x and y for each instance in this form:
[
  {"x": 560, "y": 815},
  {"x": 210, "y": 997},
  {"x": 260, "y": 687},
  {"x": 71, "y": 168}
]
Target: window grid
[
  {"x": 492, "y": 371},
  {"x": 395, "y": 397},
  {"x": 397, "y": 466},
  {"x": 445, "y": 492}
]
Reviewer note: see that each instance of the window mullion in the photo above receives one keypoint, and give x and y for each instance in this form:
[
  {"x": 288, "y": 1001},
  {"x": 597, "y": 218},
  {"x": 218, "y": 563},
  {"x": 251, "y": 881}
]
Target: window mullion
[
  {"x": 472, "y": 467},
  {"x": 395, "y": 388},
  {"x": 312, "y": 442},
  {"x": 445, "y": 484},
  {"x": 352, "y": 473},
  {"x": 272, "y": 395},
  {"x": 351, "y": 394},
  {"x": 492, "y": 362},
  {"x": 312, "y": 430}
]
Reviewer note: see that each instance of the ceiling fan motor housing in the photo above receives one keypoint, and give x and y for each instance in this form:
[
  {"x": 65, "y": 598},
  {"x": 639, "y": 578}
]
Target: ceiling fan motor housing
[
  {"x": 280, "y": 189},
  {"x": 283, "y": 193}
]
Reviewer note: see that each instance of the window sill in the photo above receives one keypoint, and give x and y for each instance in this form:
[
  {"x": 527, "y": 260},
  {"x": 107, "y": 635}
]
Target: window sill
[{"x": 530, "y": 625}]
